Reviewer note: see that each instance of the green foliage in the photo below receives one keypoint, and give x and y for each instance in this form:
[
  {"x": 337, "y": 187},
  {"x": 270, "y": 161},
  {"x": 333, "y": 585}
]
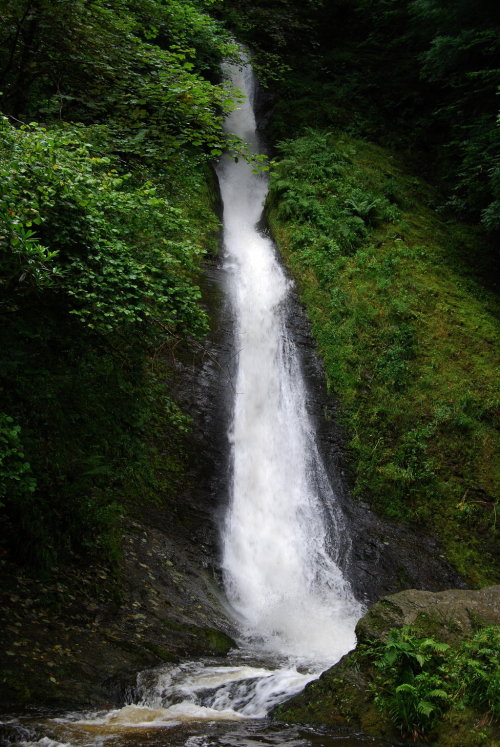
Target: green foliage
[
  {"x": 479, "y": 671},
  {"x": 105, "y": 216},
  {"x": 272, "y": 29},
  {"x": 117, "y": 260},
  {"x": 16, "y": 479},
  {"x": 419, "y": 680},
  {"x": 406, "y": 334},
  {"x": 139, "y": 65},
  {"x": 308, "y": 190},
  {"x": 411, "y": 689},
  {"x": 448, "y": 76}
]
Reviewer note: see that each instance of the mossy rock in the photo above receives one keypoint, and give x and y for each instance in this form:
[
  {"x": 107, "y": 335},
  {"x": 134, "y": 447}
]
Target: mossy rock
[
  {"x": 340, "y": 698},
  {"x": 217, "y": 642},
  {"x": 445, "y": 615},
  {"x": 464, "y": 728},
  {"x": 198, "y": 641}
]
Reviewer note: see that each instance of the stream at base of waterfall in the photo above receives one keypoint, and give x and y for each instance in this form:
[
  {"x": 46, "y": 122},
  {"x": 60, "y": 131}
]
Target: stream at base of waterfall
[{"x": 283, "y": 539}]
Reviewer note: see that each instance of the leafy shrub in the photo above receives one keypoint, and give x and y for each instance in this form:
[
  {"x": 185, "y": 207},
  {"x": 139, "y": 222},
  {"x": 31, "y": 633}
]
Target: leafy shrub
[
  {"x": 97, "y": 271},
  {"x": 313, "y": 184},
  {"x": 411, "y": 689},
  {"x": 141, "y": 66},
  {"x": 91, "y": 216},
  {"x": 16, "y": 479},
  {"x": 479, "y": 670}
]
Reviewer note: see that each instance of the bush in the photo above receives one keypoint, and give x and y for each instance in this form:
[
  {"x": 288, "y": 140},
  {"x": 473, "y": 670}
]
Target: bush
[
  {"x": 113, "y": 252},
  {"x": 419, "y": 679},
  {"x": 97, "y": 272},
  {"x": 16, "y": 480}
]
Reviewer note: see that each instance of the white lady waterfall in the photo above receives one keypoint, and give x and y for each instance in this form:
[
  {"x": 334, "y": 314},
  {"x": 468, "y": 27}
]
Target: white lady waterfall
[{"x": 283, "y": 530}]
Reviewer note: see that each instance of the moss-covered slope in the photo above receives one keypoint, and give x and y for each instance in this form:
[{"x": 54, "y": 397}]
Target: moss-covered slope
[{"x": 406, "y": 330}]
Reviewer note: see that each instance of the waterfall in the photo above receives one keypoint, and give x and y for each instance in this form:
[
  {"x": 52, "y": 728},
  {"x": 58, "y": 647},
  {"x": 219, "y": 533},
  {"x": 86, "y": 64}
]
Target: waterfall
[
  {"x": 283, "y": 536},
  {"x": 283, "y": 531}
]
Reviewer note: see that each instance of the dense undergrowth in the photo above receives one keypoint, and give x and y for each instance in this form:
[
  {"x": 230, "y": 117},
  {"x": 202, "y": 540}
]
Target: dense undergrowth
[
  {"x": 112, "y": 112},
  {"x": 406, "y": 331},
  {"x": 412, "y": 685},
  {"x": 423, "y": 683}
]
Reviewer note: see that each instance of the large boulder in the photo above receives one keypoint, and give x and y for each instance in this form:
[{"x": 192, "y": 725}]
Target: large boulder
[{"x": 445, "y": 615}]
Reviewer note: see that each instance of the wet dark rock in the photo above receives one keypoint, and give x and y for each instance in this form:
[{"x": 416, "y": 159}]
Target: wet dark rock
[
  {"x": 204, "y": 389},
  {"x": 79, "y": 639},
  {"x": 339, "y": 698}
]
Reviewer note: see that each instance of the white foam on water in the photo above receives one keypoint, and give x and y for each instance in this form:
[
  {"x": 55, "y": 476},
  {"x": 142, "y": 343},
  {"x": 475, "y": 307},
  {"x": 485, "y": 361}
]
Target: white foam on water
[{"x": 44, "y": 742}]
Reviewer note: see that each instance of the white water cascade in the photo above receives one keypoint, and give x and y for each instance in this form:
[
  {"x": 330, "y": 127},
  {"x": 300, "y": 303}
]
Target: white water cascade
[{"x": 283, "y": 531}]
